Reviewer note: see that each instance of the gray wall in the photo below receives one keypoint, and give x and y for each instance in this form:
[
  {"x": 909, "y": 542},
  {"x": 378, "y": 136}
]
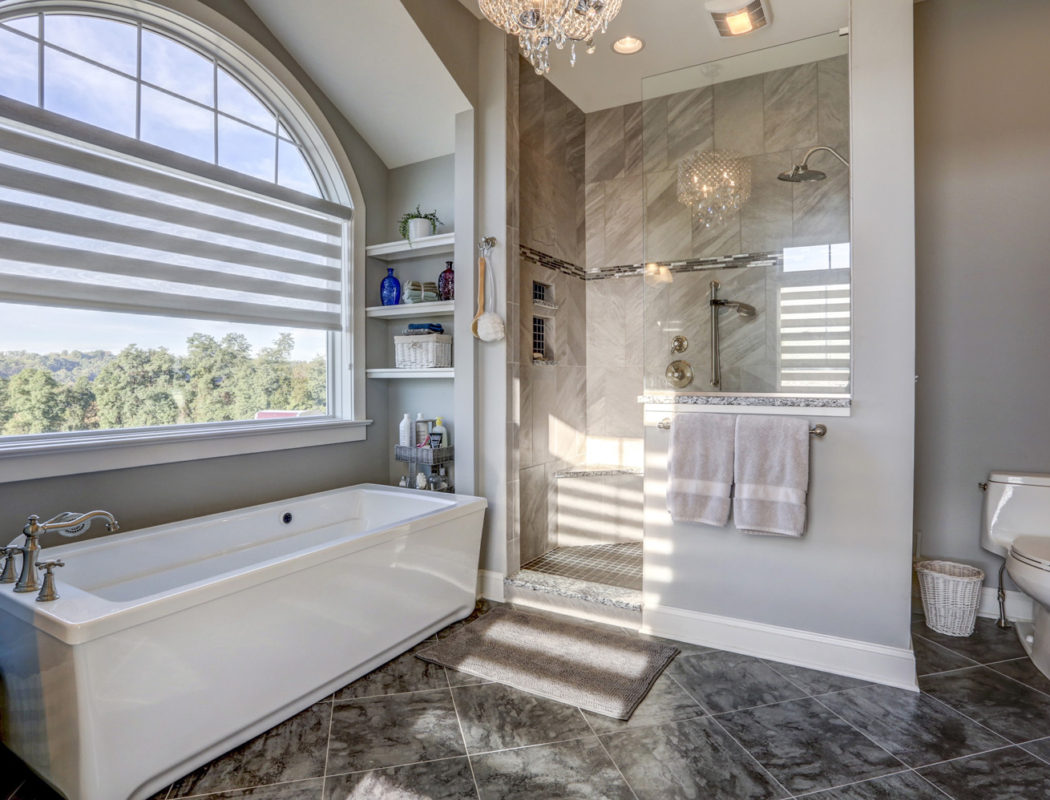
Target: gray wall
[
  {"x": 158, "y": 494},
  {"x": 428, "y": 184},
  {"x": 849, "y": 575},
  {"x": 982, "y": 193}
]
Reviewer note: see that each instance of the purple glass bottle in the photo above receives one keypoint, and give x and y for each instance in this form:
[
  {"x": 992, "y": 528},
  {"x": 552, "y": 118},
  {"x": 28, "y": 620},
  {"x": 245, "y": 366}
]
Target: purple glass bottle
[{"x": 447, "y": 283}]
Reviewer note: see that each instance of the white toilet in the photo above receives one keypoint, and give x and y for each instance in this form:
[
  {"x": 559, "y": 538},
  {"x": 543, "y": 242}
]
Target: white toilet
[{"x": 1015, "y": 524}]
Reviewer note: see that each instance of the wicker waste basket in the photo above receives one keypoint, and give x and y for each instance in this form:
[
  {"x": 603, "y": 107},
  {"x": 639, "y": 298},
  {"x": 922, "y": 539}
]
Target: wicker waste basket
[{"x": 950, "y": 595}]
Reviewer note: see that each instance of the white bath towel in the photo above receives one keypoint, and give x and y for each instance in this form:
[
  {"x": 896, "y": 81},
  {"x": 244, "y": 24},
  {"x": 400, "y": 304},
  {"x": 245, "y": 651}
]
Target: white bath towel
[
  {"x": 771, "y": 475},
  {"x": 700, "y": 468}
]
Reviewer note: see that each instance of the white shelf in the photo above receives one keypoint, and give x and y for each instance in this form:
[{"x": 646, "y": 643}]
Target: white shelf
[
  {"x": 442, "y": 243},
  {"x": 441, "y": 308},
  {"x": 436, "y": 373}
]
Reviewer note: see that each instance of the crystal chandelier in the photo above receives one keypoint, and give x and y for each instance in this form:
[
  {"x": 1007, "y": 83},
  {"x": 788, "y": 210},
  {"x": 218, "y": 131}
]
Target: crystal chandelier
[
  {"x": 713, "y": 184},
  {"x": 539, "y": 23}
]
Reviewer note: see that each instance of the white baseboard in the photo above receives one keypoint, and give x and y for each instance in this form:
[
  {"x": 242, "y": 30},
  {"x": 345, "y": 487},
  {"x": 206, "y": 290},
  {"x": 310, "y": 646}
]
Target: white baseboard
[
  {"x": 490, "y": 585},
  {"x": 892, "y": 666},
  {"x": 1018, "y": 605}
]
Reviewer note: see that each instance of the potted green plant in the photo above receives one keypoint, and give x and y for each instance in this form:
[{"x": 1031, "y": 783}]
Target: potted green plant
[{"x": 417, "y": 224}]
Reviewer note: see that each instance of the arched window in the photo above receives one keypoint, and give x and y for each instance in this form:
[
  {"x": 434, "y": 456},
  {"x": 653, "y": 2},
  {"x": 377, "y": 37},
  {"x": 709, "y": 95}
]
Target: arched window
[{"x": 174, "y": 235}]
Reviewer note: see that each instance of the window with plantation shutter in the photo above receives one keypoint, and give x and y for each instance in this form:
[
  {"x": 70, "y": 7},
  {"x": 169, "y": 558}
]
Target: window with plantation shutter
[{"x": 175, "y": 245}]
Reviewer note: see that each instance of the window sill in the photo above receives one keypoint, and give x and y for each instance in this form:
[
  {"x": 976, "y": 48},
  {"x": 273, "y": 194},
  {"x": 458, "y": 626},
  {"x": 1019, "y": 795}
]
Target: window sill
[{"x": 32, "y": 457}]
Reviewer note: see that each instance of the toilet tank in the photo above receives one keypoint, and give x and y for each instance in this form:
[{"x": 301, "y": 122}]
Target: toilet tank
[{"x": 1015, "y": 504}]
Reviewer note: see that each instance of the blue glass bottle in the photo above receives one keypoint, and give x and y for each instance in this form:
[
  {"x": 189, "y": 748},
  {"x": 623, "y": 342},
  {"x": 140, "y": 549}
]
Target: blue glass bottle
[{"x": 390, "y": 289}]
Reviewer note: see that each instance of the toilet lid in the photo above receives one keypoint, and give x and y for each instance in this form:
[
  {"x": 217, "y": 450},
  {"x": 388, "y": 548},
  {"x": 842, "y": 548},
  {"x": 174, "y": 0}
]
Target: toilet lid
[{"x": 1032, "y": 550}]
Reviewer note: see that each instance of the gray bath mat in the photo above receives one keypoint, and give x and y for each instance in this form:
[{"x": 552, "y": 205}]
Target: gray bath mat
[{"x": 597, "y": 669}]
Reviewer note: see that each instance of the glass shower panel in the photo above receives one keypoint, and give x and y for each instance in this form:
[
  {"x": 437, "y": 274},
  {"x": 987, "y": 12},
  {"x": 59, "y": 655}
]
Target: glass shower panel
[{"x": 752, "y": 270}]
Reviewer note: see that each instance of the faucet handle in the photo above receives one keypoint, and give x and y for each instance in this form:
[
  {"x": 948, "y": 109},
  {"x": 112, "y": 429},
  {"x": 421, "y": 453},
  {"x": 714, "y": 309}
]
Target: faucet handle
[
  {"x": 31, "y": 528},
  {"x": 47, "y": 590},
  {"x": 8, "y": 575}
]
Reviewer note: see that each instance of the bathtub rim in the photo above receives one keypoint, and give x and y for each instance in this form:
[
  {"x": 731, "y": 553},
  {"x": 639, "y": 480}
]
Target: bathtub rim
[{"x": 79, "y": 616}]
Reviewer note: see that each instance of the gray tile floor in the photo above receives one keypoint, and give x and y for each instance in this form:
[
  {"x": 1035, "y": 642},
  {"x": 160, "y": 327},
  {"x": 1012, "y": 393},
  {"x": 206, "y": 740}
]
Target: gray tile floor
[
  {"x": 611, "y": 564},
  {"x": 716, "y": 725}
]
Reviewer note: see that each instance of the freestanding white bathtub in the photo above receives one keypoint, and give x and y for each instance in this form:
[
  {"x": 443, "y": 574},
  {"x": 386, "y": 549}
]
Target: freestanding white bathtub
[{"x": 170, "y": 645}]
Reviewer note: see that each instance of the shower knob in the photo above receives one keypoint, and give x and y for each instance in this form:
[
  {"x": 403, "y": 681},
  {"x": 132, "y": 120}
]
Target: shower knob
[
  {"x": 679, "y": 374},
  {"x": 679, "y": 344}
]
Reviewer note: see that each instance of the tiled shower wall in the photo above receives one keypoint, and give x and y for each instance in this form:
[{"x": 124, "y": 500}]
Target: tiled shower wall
[{"x": 552, "y": 401}]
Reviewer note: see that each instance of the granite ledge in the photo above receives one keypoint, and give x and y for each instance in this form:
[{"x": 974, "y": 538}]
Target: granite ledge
[
  {"x": 597, "y": 471},
  {"x": 761, "y": 401},
  {"x": 576, "y": 589}
]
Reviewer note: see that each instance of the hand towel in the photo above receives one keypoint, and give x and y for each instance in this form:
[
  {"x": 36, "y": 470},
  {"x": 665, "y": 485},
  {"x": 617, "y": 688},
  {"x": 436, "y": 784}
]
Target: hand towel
[
  {"x": 771, "y": 475},
  {"x": 700, "y": 468}
]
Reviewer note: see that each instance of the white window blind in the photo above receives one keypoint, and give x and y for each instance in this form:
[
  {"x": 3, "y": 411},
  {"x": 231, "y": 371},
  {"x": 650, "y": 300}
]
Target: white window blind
[
  {"x": 119, "y": 228},
  {"x": 814, "y": 338}
]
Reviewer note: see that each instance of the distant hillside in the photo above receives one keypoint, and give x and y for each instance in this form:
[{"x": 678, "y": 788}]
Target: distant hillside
[{"x": 65, "y": 367}]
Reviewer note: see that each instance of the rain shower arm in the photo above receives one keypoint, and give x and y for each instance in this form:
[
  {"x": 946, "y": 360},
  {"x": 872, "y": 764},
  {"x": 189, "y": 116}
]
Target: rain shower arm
[{"x": 817, "y": 149}]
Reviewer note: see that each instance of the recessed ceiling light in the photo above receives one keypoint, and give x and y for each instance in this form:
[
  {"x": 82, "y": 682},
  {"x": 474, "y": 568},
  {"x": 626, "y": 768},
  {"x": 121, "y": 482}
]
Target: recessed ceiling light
[
  {"x": 628, "y": 45},
  {"x": 737, "y": 17}
]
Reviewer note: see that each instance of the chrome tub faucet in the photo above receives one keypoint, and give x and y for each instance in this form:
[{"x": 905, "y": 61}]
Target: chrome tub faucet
[{"x": 68, "y": 523}]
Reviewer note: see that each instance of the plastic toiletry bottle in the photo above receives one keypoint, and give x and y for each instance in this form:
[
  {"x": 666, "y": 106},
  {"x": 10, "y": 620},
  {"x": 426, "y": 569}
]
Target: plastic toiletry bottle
[
  {"x": 439, "y": 435},
  {"x": 421, "y": 480},
  {"x": 404, "y": 478},
  {"x": 405, "y": 431},
  {"x": 422, "y": 431}
]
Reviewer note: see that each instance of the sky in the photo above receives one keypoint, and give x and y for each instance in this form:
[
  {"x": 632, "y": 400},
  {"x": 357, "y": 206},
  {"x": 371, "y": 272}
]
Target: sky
[{"x": 51, "y": 330}]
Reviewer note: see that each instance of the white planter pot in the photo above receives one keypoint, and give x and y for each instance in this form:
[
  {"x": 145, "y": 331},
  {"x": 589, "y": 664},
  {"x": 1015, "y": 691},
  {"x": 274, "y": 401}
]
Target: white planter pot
[{"x": 418, "y": 228}]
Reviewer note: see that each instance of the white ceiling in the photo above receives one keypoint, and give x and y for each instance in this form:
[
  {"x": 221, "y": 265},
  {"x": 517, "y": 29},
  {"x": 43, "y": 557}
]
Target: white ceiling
[
  {"x": 371, "y": 60},
  {"x": 677, "y": 33}
]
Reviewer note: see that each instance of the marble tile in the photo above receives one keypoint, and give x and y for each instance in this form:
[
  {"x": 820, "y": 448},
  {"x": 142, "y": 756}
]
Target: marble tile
[
  {"x": 1023, "y": 670},
  {"x": 300, "y": 790},
  {"x": 496, "y": 717},
  {"x": 633, "y": 318},
  {"x": 633, "y": 155},
  {"x": 576, "y": 144},
  {"x": 406, "y": 673},
  {"x": 690, "y": 123},
  {"x": 579, "y": 769},
  {"x": 526, "y": 423},
  {"x": 569, "y": 415},
  {"x": 570, "y": 322},
  {"x": 393, "y": 730},
  {"x": 914, "y": 727},
  {"x": 449, "y": 779},
  {"x": 30, "y": 787},
  {"x": 604, "y": 154},
  {"x": 931, "y": 658},
  {"x": 902, "y": 786},
  {"x": 1040, "y": 749},
  {"x": 833, "y": 101},
  {"x": 594, "y": 199},
  {"x": 716, "y": 239},
  {"x": 821, "y": 208},
  {"x": 666, "y": 702},
  {"x": 738, "y": 116},
  {"x": 986, "y": 644},
  {"x": 692, "y": 759},
  {"x": 814, "y": 681},
  {"x": 544, "y": 394},
  {"x": 1009, "y": 708},
  {"x": 482, "y": 607},
  {"x": 727, "y": 681},
  {"x": 790, "y": 108},
  {"x": 606, "y": 334},
  {"x": 290, "y": 751},
  {"x": 1009, "y": 774},
  {"x": 624, "y": 206},
  {"x": 654, "y": 134},
  {"x": 668, "y": 224},
  {"x": 766, "y": 220},
  {"x": 806, "y": 747},
  {"x": 535, "y": 537}
]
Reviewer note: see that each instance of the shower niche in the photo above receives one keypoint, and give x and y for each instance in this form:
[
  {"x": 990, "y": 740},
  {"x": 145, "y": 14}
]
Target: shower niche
[{"x": 747, "y": 224}]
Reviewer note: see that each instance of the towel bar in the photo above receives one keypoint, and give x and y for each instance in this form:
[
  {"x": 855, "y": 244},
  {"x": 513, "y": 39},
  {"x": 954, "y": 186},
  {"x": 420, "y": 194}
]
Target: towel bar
[{"x": 820, "y": 431}]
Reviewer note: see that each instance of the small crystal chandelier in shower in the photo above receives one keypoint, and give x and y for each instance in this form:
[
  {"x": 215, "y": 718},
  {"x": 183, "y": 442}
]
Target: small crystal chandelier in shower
[
  {"x": 540, "y": 23},
  {"x": 713, "y": 184}
]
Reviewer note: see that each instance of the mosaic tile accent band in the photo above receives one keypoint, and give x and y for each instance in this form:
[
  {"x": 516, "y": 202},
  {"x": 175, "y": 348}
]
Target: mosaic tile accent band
[
  {"x": 774, "y": 259},
  {"x": 745, "y": 400}
]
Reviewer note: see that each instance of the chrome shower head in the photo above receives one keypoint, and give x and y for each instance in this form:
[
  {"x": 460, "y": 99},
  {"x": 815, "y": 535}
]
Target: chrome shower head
[
  {"x": 742, "y": 309},
  {"x": 801, "y": 173}
]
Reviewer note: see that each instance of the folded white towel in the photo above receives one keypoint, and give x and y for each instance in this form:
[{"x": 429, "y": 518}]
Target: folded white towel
[
  {"x": 771, "y": 474},
  {"x": 700, "y": 468}
]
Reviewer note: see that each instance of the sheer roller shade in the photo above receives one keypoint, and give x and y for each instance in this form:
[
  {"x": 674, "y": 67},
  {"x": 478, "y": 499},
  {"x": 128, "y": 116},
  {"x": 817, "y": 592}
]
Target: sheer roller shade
[
  {"x": 815, "y": 335},
  {"x": 118, "y": 229}
]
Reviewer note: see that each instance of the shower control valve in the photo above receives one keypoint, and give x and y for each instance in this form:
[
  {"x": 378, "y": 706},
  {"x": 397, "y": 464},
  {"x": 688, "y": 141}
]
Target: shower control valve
[
  {"x": 47, "y": 590},
  {"x": 679, "y": 344}
]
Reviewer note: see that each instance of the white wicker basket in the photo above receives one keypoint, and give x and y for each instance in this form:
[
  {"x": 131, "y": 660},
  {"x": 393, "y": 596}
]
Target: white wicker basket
[
  {"x": 950, "y": 595},
  {"x": 425, "y": 351}
]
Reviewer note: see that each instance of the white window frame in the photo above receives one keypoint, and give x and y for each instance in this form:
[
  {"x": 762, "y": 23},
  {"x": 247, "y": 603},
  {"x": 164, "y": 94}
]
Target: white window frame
[{"x": 53, "y": 454}]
